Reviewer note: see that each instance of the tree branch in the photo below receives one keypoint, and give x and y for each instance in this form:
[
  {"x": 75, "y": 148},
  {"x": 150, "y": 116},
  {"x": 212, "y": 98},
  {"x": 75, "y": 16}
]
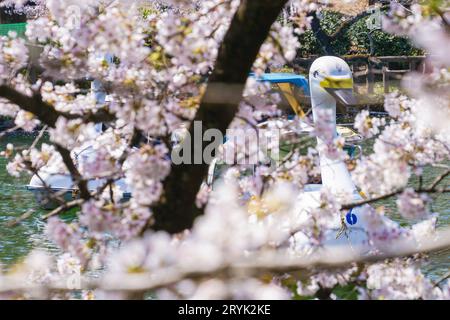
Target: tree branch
[
  {"x": 324, "y": 39},
  {"x": 34, "y": 104},
  {"x": 431, "y": 189},
  {"x": 62, "y": 208},
  {"x": 76, "y": 175},
  {"x": 439, "y": 179},
  {"x": 45, "y": 112}
]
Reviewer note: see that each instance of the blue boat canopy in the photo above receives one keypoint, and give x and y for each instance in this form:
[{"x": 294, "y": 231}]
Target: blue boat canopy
[
  {"x": 284, "y": 80},
  {"x": 292, "y": 78}
]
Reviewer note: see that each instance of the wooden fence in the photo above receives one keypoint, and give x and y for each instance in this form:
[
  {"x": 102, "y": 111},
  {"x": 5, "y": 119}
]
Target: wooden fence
[{"x": 369, "y": 69}]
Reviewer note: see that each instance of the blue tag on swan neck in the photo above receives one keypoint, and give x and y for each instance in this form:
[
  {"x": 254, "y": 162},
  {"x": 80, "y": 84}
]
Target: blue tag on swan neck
[{"x": 351, "y": 218}]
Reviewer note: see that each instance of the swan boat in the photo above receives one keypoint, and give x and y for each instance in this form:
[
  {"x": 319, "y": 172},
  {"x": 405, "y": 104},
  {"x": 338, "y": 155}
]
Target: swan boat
[{"x": 330, "y": 81}]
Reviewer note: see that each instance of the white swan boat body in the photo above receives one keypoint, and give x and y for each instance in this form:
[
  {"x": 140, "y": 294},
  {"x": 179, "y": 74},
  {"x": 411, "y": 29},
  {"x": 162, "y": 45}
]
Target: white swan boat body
[{"x": 330, "y": 79}]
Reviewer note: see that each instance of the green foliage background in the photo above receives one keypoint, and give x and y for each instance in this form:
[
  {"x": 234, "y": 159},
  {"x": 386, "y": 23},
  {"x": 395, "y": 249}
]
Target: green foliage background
[{"x": 355, "y": 40}]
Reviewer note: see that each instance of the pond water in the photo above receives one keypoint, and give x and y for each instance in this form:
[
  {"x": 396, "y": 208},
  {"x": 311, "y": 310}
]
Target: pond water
[
  {"x": 17, "y": 241},
  {"x": 15, "y": 200}
]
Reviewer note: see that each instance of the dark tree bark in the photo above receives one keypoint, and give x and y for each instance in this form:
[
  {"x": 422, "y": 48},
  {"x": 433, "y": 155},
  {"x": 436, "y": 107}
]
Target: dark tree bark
[
  {"x": 34, "y": 104},
  {"x": 248, "y": 30},
  {"x": 45, "y": 112},
  {"x": 322, "y": 37},
  {"x": 7, "y": 15}
]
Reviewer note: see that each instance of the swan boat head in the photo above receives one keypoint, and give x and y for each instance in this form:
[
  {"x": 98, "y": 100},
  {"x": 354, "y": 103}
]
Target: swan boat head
[{"x": 331, "y": 78}]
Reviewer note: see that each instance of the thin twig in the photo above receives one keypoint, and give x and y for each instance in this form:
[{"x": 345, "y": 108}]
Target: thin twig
[
  {"x": 442, "y": 279},
  {"x": 23, "y": 217},
  {"x": 431, "y": 189},
  {"x": 39, "y": 137},
  {"x": 64, "y": 207},
  {"x": 439, "y": 179}
]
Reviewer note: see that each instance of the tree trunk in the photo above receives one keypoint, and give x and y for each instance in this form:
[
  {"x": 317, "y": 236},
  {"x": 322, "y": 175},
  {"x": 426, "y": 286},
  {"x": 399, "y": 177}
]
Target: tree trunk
[{"x": 248, "y": 30}]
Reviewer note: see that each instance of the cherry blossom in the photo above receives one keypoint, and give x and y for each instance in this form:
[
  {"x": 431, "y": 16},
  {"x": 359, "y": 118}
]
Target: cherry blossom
[
  {"x": 366, "y": 126},
  {"x": 148, "y": 71},
  {"x": 412, "y": 205},
  {"x": 401, "y": 280}
]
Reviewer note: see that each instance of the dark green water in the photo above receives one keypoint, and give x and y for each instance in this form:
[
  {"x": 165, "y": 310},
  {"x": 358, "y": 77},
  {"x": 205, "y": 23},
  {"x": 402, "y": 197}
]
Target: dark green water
[
  {"x": 439, "y": 262},
  {"x": 16, "y": 242}
]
